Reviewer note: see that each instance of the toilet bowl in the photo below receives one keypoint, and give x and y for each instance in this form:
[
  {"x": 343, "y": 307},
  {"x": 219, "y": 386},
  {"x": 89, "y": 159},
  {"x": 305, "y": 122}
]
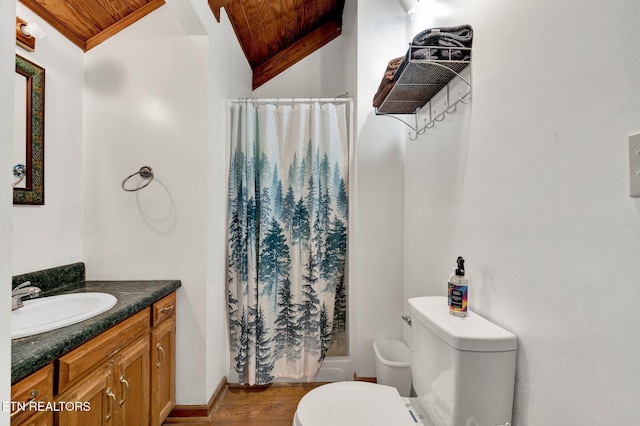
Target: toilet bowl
[
  {"x": 462, "y": 373},
  {"x": 354, "y": 404}
]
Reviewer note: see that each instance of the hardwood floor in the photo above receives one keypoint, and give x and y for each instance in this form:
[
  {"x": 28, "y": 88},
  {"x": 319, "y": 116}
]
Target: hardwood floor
[{"x": 272, "y": 405}]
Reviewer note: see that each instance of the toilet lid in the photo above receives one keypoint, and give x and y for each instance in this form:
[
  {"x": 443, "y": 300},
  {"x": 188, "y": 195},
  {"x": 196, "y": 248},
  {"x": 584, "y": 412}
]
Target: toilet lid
[{"x": 353, "y": 403}]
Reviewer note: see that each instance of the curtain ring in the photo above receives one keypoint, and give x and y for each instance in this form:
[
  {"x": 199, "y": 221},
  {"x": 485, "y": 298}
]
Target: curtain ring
[{"x": 145, "y": 172}]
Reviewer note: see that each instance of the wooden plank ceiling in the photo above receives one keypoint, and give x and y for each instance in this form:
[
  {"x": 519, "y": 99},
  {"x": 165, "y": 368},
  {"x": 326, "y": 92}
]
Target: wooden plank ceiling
[
  {"x": 274, "y": 34},
  {"x": 89, "y": 22}
]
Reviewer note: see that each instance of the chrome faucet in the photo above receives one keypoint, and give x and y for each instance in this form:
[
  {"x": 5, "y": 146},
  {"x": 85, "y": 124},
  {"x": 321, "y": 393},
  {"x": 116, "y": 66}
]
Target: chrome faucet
[{"x": 23, "y": 290}]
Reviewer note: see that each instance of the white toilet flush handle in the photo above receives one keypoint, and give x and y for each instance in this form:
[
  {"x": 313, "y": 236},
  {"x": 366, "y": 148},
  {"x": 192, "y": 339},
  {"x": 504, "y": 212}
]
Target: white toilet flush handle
[{"x": 407, "y": 319}]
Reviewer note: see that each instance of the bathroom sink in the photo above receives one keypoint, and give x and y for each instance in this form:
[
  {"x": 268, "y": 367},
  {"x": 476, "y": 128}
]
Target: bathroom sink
[{"x": 49, "y": 313}]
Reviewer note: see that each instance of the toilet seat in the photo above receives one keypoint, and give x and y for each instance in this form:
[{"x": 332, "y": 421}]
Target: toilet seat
[{"x": 353, "y": 404}]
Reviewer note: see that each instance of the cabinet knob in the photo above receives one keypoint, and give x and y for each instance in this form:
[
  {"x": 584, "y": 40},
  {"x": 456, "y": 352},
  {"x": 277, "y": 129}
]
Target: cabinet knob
[
  {"x": 166, "y": 309},
  {"x": 34, "y": 395}
]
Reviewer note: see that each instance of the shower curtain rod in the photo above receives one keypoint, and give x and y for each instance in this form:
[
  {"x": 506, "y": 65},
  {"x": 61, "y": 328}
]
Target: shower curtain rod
[{"x": 289, "y": 100}]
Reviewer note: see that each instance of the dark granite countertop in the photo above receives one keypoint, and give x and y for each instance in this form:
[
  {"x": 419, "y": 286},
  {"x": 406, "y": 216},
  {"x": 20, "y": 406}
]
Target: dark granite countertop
[{"x": 29, "y": 354}]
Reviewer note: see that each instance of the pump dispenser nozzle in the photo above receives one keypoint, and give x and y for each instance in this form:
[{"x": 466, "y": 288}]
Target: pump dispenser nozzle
[{"x": 460, "y": 269}]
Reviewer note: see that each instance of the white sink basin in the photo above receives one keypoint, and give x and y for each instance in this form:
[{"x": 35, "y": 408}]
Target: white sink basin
[{"x": 50, "y": 313}]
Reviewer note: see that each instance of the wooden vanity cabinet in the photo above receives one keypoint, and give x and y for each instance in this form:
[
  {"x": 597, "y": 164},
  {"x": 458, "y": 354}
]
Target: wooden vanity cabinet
[
  {"x": 113, "y": 393},
  {"x": 36, "y": 388},
  {"x": 123, "y": 377},
  {"x": 163, "y": 349}
]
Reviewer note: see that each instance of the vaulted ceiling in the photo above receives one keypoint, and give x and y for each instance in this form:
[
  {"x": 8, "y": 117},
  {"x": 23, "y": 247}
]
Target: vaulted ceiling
[
  {"x": 87, "y": 23},
  {"x": 274, "y": 34}
]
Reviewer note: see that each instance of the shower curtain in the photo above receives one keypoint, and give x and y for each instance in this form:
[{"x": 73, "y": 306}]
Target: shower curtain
[{"x": 287, "y": 236}]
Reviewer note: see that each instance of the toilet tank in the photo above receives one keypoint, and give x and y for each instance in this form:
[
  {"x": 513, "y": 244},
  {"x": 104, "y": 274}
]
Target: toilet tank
[{"x": 462, "y": 369}]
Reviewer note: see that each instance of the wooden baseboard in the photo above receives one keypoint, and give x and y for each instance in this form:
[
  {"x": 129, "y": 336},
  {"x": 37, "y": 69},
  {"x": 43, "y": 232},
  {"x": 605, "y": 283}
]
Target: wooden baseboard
[
  {"x": 195, "y": 415},
  {"x": 260, "y": 388},
  {"x": 364, "y": 379}
]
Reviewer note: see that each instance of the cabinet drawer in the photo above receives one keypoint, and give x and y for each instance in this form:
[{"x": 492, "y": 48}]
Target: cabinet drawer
[
  {"x": 164, "y": 308},
  {"x": 37, "y": 387},
  {"x": 83, "y": 359}
]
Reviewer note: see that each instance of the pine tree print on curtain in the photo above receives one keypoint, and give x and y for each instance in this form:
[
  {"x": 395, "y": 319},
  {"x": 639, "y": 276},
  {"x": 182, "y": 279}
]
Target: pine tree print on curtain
[{"x": 287, "y": 237}]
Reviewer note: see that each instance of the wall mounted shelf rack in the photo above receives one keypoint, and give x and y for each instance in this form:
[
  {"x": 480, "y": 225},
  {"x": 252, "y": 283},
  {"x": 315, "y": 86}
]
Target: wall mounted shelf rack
[{"x": 419, "y": 82}]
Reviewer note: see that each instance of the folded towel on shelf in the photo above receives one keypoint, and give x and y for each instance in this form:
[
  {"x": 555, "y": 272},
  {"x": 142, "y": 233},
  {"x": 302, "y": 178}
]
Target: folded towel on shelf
[
  {"x": 461, "y": 36},
  {"x": 381, "y": 95},
  {"x": 387, "y": 82},
  {"x": 440, "y": 44}
]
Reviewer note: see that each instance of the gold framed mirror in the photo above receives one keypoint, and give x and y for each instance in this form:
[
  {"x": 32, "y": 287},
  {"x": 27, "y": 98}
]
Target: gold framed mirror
[{"x": 28, "y": 186}]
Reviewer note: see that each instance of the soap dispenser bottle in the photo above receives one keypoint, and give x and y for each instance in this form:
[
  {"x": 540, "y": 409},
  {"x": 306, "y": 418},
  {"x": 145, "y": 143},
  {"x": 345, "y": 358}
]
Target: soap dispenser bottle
[{"x": 458, "y": 291}]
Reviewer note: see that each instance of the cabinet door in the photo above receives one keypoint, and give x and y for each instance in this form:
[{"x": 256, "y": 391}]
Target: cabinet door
[
  {"x": 163, "y": 348},
  {"x": 94, "y": 401},
  {"x": 132, "y": 383}
]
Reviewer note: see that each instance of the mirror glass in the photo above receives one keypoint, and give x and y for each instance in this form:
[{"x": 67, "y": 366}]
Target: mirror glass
[
  {"x": 20, "y": 136},
  {"x": 28, "y": 153}
]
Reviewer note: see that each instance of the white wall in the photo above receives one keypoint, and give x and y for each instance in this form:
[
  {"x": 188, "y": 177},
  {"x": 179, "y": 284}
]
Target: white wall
[
  {"x": 7, "y": 72},
  {"x": 152, "y": 98},
  {"x": 145, "y": 105},
  {"x": 224, "y": 82},
  {"x": 531, "y": 185},
  {"x": 319, "y": 75},
  {"x": 50, "y": 235},
  {"x": 377, "y": 250}
]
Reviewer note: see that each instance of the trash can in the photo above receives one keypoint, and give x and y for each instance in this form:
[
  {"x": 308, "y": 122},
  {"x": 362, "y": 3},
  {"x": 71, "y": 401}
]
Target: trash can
[{"x": 393, "y": 366}]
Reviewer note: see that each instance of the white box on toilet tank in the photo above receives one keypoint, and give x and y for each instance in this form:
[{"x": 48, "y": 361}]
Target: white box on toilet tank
[{"x": 463, "y": 369}]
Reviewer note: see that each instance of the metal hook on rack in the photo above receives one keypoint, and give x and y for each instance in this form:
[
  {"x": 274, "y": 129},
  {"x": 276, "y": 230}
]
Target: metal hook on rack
[
  {"x": 448, "y": 108},
  {"x": 436, "y": 116},
  {"x": 461, "y": 97},
  {"x": 417, "y": 129}
]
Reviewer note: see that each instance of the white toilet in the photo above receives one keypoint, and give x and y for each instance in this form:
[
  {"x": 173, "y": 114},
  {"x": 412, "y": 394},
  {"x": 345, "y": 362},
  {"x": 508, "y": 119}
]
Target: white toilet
[{"x": 462, "y": 371}]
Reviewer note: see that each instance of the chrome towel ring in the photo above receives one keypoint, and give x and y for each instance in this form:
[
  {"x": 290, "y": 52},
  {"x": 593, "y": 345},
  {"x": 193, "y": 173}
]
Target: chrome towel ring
[{"x": 145, "y": 172}]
